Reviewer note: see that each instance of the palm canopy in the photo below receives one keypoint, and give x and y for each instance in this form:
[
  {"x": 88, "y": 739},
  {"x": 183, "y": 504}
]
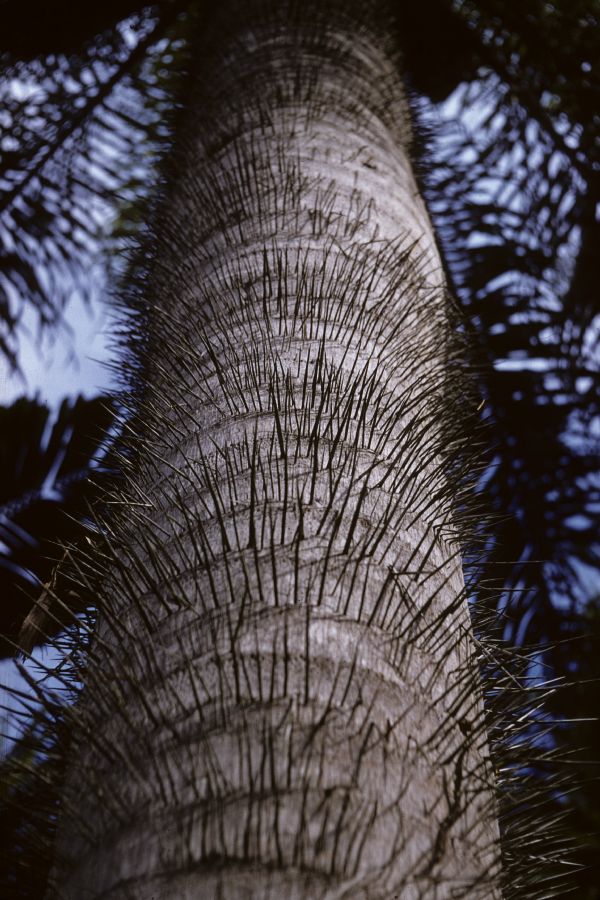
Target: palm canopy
[{"x": 506, "y": 106}]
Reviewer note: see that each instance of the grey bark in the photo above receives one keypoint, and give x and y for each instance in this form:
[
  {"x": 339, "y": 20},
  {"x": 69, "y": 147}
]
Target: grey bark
[{"x": 282, "y": 699}]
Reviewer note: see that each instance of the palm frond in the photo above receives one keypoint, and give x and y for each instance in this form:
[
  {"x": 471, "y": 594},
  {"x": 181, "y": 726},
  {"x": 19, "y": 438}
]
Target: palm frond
[
  {"x": 511, "y": 185},
  {"x": 78, "y": 133},
  {"x": 50, "y": 472}
]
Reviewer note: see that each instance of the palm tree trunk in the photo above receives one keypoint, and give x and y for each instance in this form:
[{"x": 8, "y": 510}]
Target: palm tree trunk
[{"x": 282, "y": 699}]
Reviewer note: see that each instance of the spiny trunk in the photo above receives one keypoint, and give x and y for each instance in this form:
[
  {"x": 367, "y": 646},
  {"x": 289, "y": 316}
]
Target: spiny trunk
[{"x": 282, "y": 700}]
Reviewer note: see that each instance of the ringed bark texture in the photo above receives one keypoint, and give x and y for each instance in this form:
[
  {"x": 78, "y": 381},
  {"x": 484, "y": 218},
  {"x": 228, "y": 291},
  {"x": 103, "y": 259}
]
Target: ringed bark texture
[{"x": 282, "y": 699}]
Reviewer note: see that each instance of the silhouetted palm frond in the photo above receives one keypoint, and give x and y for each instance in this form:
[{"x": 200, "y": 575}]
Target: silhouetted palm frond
[
  {"x": 50, "y": 471},
  {"x": 512, "y": 184},
  {"x": 78, "y": 130}
]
